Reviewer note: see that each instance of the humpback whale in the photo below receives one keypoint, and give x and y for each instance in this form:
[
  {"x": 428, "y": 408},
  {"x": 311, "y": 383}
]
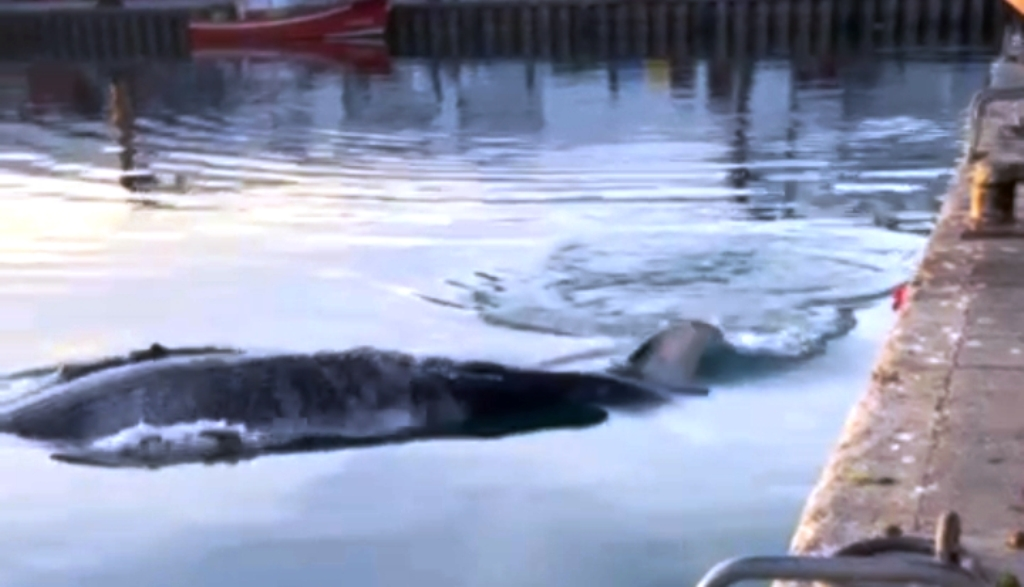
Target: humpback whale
[{"x": 295, "y": 402}]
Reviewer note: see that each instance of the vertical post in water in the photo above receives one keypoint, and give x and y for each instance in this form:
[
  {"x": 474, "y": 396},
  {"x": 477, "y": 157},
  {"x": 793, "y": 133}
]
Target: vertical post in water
[
  {"x": 762, "y": 20},
  {"x": 435, "y": 18},
  {"x": 957, "y": 13},
  {"x": 977, "y": 21},
  {"x": 890, "y": 16},
  {"x": 933, "y": 23},
  {"x": 544, "y": 29},
  {"x": 680, "y": 30},
  {"x": 741, "y": 29},
  {"x": 805, "y": 22},
  {"x": 696, "y": 24},
  {"x": 470, "y": 29},
  {"x": 840, "y": 26},
  {"x": 826, "y": 16},
  {"x": 526, "y": 30},
  {"x": 420, "y": 32},
  {"x": 499, "y": 29},
  {"x": 721, "y": 30},
  {"x": 563, "y": 28},
  {"x": 659, "y": 26},
  {"x": 573, "y": 23},
  {"x": 487, "y": 32},
  {"x": 621, "y": 31},
  {"x": 868, "y": 24},
  {"x": 451, "y": 30},
  {"x": 783, "y": 19},
  {"x": 911, "y": 22},
  {"x": 398, "y": 36},
  {"x": 641, "y": 34},
  {"x": 599, "y": 15}
]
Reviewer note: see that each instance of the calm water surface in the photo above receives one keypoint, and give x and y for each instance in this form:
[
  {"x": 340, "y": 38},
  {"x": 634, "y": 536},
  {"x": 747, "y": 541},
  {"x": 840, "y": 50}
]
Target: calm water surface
[{"x": 513, "y": 211}]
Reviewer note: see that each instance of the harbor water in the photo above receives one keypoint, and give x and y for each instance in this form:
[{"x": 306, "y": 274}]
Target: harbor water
[{"x": 518, "y": 211}]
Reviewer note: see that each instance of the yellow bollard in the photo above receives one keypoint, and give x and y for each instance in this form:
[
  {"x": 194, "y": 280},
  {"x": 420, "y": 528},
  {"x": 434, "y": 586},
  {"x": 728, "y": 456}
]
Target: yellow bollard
[{"x": 992, "y": 196}]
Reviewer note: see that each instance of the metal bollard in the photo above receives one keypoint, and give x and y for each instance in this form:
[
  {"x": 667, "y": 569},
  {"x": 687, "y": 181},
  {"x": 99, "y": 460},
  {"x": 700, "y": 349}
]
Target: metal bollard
[{"x": 993, "y": 191}]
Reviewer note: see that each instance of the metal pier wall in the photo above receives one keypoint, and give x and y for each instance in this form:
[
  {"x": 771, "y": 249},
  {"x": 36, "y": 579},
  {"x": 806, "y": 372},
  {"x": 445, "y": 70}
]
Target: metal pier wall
[
  {"x": 93, "y": 34},
  {"x": 658, "y": 28}
]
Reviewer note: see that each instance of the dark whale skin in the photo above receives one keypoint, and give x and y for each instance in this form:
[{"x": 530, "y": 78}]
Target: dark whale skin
[
  {"x": 329, "y": 400},
  {"x": 319, "y": 392}
]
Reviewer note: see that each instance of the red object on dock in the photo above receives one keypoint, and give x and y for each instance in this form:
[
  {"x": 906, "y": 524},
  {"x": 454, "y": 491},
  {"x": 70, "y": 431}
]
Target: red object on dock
[
  {"x": 340, "y": 21},
  {"x": 899, "y": 296}
]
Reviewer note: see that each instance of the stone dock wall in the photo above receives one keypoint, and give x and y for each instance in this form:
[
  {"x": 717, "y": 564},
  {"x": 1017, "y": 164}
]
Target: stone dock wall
[{"x": 941, "y": 426}]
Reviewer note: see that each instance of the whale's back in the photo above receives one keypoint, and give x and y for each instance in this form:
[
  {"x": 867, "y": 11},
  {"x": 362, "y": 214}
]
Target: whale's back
[{"x": 353, "y": 389}]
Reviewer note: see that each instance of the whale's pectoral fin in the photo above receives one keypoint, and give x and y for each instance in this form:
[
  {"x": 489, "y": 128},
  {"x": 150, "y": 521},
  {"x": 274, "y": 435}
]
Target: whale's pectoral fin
[
  {"x": 104, "y": 460},
  {"x": 83, "y": 459},
  {"x": 671, "y": 357},
  {"x": 119, "y": 461}
]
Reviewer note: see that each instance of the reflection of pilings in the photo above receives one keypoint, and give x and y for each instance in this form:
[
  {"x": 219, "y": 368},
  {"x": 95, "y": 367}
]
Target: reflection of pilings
[
  {"x": 95, "y": 34},
  {"x": 122, "y": 117},
  {"x": 659, "y": 28}
]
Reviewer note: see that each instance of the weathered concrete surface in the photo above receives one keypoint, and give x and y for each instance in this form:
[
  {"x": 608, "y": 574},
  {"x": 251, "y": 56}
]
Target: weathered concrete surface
[{"x": 942, "y": 423}]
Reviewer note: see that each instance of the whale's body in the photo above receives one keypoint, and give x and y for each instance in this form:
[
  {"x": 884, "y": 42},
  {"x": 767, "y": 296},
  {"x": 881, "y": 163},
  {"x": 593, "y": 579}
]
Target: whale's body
[{"x": 353, "y": 396}]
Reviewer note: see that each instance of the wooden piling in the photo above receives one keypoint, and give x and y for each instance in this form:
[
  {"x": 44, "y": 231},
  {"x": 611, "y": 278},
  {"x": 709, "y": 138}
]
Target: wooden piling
[{"x": 99, "y": 34}]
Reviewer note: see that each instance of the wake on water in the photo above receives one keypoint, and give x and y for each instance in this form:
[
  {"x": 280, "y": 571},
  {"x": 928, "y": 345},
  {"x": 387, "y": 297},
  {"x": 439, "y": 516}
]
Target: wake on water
[{"x": 777, "y": 291}]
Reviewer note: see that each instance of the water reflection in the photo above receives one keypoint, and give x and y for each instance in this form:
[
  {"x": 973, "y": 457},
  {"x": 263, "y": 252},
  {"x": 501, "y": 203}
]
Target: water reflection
[
  {"x": 750, "y": 116},
  {"x": 306, "y": 202}
]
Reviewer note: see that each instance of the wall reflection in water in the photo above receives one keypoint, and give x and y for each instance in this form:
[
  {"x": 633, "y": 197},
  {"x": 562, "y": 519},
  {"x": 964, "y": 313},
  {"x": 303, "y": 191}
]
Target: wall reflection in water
[{"x": 783, "y": 138}]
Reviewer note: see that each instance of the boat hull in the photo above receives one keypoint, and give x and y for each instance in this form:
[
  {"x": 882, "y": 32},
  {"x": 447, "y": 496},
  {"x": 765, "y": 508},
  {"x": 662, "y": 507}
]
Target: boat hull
[{"x": 359, "y": 19}]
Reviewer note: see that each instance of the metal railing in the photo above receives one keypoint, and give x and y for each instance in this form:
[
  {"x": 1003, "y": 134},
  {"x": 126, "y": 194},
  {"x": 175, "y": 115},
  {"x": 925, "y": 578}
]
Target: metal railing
[
  {"x": 1000, "y": 90},
  {"x": 941, "y": 562}
]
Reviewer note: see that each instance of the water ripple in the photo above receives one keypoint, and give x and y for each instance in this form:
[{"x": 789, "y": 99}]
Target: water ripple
[
  {"x": 773, "y": 288},
  {"x": 647, "y": 207}
]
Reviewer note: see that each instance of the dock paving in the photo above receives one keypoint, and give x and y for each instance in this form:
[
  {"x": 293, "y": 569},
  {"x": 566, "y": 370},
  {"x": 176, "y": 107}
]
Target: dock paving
[{"x": 941, "y": 426}]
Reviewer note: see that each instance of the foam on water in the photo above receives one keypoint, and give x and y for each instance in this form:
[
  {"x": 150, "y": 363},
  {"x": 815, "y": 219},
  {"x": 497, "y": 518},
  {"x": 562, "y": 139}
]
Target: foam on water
[
  {"x": 144, "y": 445},
  {"x": 777, "y": 289},
  {"x": 146, "y": 438}
]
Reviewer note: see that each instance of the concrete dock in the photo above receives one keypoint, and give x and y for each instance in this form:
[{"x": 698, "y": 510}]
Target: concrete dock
[{"x": 941, "y": 426}]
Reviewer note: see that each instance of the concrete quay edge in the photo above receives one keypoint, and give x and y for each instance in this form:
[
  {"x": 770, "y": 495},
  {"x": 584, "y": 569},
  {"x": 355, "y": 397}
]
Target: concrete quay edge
[{"x": 941, "y": 425}]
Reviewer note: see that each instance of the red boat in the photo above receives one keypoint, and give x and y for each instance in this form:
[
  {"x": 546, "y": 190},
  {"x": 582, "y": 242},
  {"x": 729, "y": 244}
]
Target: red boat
[{"x": 350, "y": 20}]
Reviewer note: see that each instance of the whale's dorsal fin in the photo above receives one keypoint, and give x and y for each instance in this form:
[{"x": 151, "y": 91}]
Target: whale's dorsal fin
[{"x": 671, "y": 357}]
